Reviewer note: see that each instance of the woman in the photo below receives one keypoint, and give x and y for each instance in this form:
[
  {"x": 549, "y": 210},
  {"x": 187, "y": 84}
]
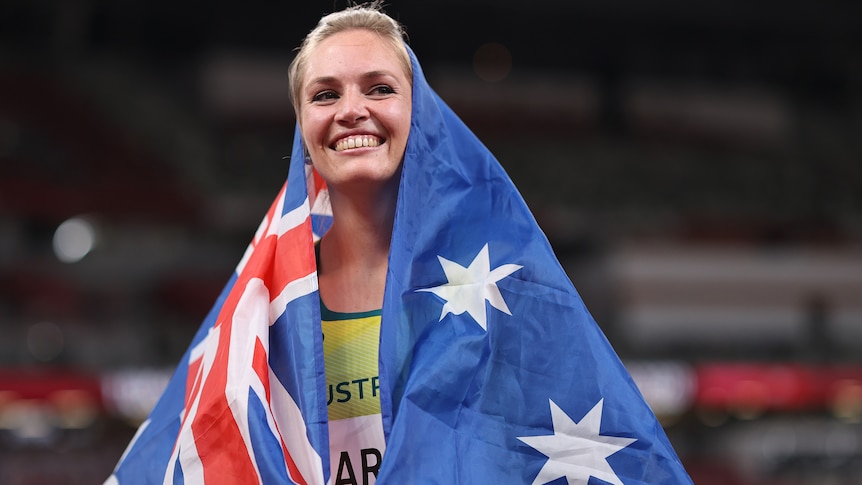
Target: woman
[
  {"x": 352, "y": 89},
  {"x": 351, "y": 85},
  {"x": 445, "y": 344}
]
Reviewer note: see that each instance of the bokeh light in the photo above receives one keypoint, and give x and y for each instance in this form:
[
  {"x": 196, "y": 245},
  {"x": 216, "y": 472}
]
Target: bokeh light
[
  {"x": 45, "y": 341},
  {"x": 492, "y": 62},
  {"x": 74, "y": 239}
]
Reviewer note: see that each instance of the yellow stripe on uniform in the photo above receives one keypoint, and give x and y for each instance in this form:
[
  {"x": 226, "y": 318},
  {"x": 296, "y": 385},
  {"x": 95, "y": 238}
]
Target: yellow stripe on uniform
[{"x": 350, "y": 352}]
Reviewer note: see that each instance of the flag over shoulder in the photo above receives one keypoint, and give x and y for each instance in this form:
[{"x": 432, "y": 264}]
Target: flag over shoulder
[
  {"x": 247, "y": 403},
  {"x": 491, "y": 368}
]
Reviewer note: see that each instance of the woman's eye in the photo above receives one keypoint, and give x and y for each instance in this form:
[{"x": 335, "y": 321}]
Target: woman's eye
[
  {"x": 382, "y": 90},
  {"x": 324, "y": 96}
]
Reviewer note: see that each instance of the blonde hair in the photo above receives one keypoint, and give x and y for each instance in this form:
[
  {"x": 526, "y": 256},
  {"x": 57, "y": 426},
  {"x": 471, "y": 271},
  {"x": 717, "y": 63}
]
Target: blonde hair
[{"x": 364, "y": 17}]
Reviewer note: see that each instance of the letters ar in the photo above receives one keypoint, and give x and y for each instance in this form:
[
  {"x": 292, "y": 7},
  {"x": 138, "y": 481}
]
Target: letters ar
[{"x": 345, "y": 465}]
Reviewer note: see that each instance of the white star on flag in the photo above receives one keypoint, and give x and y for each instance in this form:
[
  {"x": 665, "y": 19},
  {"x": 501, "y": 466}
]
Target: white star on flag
[
  {"x": 468, "y": 288},
  {"x": 576, "y": 450}
]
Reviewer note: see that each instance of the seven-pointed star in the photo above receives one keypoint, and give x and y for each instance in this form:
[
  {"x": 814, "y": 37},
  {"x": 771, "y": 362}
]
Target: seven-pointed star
[
  {"x": 576, "y": 450},
  {"x": 469, "y": 287}
]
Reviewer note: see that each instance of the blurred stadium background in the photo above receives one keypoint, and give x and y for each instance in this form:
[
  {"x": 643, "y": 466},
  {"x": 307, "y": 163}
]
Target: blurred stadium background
[{"x": 697, "y": 166}]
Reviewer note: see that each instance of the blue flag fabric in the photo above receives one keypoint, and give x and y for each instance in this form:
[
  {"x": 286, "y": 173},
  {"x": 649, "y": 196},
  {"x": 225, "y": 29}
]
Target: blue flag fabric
[{"x": 491, "y": 368}]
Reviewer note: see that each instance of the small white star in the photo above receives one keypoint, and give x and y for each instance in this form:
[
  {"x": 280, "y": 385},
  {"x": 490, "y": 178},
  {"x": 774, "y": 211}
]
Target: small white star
[
  {"x": 576, "y": 450},
  {"x": 469, "y": 287}
]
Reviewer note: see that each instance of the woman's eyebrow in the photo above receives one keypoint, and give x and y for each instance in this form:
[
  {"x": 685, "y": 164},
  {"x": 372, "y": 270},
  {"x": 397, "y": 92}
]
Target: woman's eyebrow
[
  {"x": 368, "y": 75},
  {"x": 376, "y": 74},
  {"x": 322, "y": 80}
]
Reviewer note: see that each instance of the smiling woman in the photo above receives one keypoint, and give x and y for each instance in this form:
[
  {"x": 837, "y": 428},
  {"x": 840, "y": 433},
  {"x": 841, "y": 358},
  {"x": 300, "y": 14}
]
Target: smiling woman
[
  {"x": 429, "y": 336},
  {"x": 354, "y": 115},
  {"x": 352, "y": 90}
]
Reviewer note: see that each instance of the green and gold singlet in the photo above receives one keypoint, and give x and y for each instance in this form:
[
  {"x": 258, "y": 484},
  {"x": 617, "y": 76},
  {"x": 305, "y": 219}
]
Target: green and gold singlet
[{"x": 350, "y": 346}]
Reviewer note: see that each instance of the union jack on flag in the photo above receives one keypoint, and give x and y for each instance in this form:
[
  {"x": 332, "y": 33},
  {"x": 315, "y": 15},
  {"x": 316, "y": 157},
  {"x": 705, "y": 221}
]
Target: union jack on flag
[
  {"x": 491, "y": 368},
  {"x": 249, "y": 411}
]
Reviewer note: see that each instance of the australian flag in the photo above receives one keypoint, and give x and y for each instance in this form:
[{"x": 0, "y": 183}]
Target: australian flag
[{"x": 491, "y": 368}]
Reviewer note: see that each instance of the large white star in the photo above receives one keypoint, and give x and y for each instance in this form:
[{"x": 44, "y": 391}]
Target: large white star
[
  {"x": 469, "y": 287},
  {"x": 576, "y": 450}
]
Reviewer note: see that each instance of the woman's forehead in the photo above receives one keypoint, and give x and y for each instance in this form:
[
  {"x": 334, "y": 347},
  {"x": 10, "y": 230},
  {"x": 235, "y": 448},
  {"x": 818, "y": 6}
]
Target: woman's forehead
[{"x": 354, "y": 51}]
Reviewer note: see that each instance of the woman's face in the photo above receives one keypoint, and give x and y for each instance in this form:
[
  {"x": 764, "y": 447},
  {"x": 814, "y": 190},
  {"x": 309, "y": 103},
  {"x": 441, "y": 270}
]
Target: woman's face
[{"x": 354, "y": 109}]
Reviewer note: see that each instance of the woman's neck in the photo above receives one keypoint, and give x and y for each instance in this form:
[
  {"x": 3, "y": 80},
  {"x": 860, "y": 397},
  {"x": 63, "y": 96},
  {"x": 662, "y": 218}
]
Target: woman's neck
[{"x": 354, "y": 253}]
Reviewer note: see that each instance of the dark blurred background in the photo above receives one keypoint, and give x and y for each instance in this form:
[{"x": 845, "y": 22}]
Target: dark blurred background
[{"x": 697, "y": 166}]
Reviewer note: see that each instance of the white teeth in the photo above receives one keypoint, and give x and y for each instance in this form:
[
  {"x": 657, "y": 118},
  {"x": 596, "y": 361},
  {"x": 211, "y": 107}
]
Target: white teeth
[{"x": 357, "y": 142}]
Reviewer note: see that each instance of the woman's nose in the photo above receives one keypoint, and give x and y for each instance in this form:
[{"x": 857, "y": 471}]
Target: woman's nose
[{"x": 352, "y": 107}]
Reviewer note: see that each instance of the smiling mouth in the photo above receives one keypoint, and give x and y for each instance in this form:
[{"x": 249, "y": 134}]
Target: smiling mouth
[{"x": 360, "y": 141}]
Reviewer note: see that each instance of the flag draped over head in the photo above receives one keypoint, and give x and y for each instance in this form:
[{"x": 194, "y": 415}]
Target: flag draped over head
[{"x": 491, "y": 368}]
